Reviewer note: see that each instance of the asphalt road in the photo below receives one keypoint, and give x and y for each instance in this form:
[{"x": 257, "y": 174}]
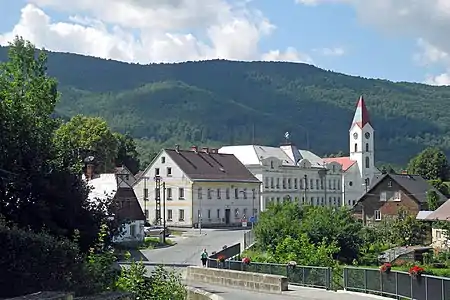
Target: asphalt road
[{"x": 188, "y": 249}]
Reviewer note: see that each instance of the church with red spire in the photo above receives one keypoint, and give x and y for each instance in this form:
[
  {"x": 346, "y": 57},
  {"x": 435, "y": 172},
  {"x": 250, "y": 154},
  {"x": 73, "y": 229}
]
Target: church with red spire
[{"x": 358, "y": 168}]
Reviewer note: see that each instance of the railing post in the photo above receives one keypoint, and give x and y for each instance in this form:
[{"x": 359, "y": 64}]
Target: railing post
[
  {"x": 411, "y": 286},
  {"x": 396, "y": 284},
  {"x": 381, "y": 283},
  {"x": 329, "y": 278},
  {"x": 443, "y": 288},
  {"x": 345, "y": 277},
  {"x": 365, "y": 280},
  {"x": 303, "y": 275},
  {"x": 426, "y": 287}
]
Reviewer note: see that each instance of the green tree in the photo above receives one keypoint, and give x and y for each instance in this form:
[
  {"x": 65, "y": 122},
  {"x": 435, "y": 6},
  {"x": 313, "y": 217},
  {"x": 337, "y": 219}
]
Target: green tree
[
  {"x": 278, "y": 222},
  {"x": 432, "y": 200},
  {"x": 407, "y": 230},
  {"x": 440, "y": 186},
  {"x": 431, "y": 164},
  {"x": 127, "y": 154},
  {"x": 86, "y": 135}
]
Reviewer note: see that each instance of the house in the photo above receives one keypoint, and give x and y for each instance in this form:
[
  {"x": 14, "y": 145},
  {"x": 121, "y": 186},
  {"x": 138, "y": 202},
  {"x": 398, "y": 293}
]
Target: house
[
  {"x": 288, "y": 173},
  {"x": 115, "y": 187},
  {"x": 390, "y": 194},
  {"x": 358, "y": 168},
  {"x": 202, "y": 187},
  {"x": 439, "y": 236},
  {"x": 125, "y": 177}
]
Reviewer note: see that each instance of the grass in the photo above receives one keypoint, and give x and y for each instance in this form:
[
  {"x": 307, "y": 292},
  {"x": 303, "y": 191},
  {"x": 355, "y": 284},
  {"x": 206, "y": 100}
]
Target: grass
[{"x": 154, "y": 242}]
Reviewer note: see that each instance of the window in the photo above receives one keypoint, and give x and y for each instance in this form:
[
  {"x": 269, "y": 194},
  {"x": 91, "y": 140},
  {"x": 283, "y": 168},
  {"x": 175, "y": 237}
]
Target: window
[
  {"x": 321, "y": 183},
  {"x": 133, "y": 230},
  {"x": 278, "y": 183},
  {"x": 209, "y": 194},
  {"x": 295, "y": 183},
  {"x": 266, "y": 182},
  {"x": 236, "y": 194},
  {"x": 218, "y": 213},
  {"x": 338, "y": 184},
  {"x": 127, "y": 177},
  {"x": 356, "y": 147},
  {"x": 334, "y": 184},
  {"x": 390, "y": 183},
  {"x": 311, "y": 184},
  {"x": 289, "y": 183},
  {"x": 181, "y": 215},
  {"x": 253, "y": 194},
  {"x": 367, "y": 162},
  {"x": 312, "y": 201},
  {"x": 227, "y": 193},
  {"x": 278, "y": 199},
  {"x": 245, "y": 193},
  {"x": 244, "y": 214},
  {"x": 377, "y": 214},
  {"x": 236, "y": 213},
  {"x": 367, "y": 147},
  {"x": 209, "y": 214},
  {"x": 169, "y": 171},
  {"x": 339, "y": 201},
  {"x": 271, "y": 164},
  {"x": 169, "y": 215},
  {"x": 255, "y": 212},
  {"x": 383, "y": 196},
  {"x": 145, "y": 194},
  {"x": 317, "y": 184},
  {"x": 306, "y": 183},
  {"x": 284, "y": 183},
  {"x": 350, "y": 183},
  {"x": 333, "y": 168},
  {"x": 438, "y": 234},
  {"x": 169, "y": 193},
  {"x": 219, "y": 195},
  {"x": 146, "y": 214},
  {"x": 301, "y": 183},
  {"x": 181, "y": 193},
  {"x": 329, "y": 184},
  {"x": 200, "y": 193},
  {"x": 163, "y": 159},
  {"x": 396, "y": 196},
  {"x": 303, "y": 200},
  {"x": 271, "y": 183},
  {"x": 156, "y": 171}
]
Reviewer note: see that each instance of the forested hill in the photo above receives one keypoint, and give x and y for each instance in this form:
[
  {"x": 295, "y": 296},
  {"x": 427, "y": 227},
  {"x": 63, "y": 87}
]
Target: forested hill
[{"x": 224, "y": 102}]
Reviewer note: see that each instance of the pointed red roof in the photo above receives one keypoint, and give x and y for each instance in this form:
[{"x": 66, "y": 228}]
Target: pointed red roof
[{"x": 361, "y": 117}]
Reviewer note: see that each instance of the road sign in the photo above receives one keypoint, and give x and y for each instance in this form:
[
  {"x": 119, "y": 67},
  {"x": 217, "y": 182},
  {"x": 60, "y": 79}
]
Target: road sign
[
  {"x": 244, "y": 224},
  {"x": 252, "y": 219}
]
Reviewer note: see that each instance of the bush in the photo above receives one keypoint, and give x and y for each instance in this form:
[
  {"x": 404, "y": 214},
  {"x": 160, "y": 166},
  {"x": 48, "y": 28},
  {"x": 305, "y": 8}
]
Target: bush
[{"x": 31, "y": 262}]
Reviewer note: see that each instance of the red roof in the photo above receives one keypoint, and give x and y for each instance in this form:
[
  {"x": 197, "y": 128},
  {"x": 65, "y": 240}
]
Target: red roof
[
  {"x": 361, "y": 117},
  {"x": 345, "y": 162}
]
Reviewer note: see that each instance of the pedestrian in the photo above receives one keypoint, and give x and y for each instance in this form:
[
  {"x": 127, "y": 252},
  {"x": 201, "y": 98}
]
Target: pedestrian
[{"x": 204, "y": 257}]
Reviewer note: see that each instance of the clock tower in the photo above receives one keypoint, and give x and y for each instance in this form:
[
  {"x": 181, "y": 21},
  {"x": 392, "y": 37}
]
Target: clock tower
[{"x": 362, "y": 142}]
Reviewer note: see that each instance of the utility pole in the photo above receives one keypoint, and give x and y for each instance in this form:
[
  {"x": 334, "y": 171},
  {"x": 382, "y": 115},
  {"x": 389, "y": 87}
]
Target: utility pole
[
  {"x": 145, "y": 199},
  {"x": 158, "y": 199},
  {"x": 164, "y": 212},
  {"x": 306, "y": 187},
  {"x": 200, "y": 216}
]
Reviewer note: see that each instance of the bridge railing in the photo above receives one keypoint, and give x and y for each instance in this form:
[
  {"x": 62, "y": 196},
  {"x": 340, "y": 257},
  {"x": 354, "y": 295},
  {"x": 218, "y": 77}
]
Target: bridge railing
[
  {"x": 318, "y": 277},
  {"x": 396, "y": 284}
]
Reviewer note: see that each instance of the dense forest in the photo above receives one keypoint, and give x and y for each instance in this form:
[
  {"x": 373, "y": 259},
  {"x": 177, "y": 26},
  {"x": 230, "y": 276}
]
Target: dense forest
[{"x": 226, "y": 102}]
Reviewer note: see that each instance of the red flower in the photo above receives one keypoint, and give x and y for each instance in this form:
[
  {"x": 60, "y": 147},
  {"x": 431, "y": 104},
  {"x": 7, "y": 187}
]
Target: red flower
[
  {"x": 416, "y": 271},
  {"x": 386, "y": 267},
  {"x": 221, "y": 258},
  {"x": 246, "y": 260}
]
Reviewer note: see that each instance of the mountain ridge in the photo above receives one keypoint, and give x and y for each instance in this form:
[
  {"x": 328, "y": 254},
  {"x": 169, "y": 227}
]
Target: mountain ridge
[{"x": 227, "y": 102}]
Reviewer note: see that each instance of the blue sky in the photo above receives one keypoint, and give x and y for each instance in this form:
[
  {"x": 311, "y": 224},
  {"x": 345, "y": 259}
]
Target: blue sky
[{"x": 368, "y": 50}]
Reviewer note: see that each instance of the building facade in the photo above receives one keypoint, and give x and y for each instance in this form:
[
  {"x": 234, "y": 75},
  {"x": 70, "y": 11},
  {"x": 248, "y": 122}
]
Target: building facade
[
  {"x": 358, "y": 169},
  {"x": 290, "y": 174},
  {"x": 202, "y": 187}
]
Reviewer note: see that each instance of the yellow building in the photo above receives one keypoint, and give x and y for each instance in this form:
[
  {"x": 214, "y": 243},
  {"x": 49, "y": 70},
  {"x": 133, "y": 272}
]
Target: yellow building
[{"x": 202, "y": 186}]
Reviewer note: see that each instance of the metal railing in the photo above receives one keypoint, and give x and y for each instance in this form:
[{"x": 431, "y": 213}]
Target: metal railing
[
  {"x": 249, "y": 239},
  {"x": 396, "y": 284},
  {"x": 318, "y": 277}
]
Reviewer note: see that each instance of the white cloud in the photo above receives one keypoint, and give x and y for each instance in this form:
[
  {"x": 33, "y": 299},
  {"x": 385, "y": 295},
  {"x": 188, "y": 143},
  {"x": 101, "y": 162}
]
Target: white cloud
[
  {"x": 337, "y": 51},
  {"x": 442, "y": 79},
  {"x": 425, "y": 20},
  {"x": 291, "y": 54},
  {"x": 148, "y": 31}
]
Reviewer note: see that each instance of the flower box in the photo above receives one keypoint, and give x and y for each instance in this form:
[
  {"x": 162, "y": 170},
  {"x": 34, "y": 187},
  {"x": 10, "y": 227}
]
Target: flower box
[
  {"x": 416, "y": 271},
  {"x": 246, "y": 261},
  {"x": 386, "y": 268}
]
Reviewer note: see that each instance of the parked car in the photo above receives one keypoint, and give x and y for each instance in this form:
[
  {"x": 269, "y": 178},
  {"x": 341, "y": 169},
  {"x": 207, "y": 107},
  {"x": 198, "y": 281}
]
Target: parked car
[{"x": 156, "y": 231}]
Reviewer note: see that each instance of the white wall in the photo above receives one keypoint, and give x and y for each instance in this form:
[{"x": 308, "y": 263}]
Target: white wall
[{"x": 131, "y": 232}]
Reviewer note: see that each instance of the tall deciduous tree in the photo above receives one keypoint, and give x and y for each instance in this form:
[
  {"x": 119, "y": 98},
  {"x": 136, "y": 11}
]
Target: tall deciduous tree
[
  {"x": 126, "y": 152},
  {"x": 86, "y": 135},
  {"x": 432, "y": 200},
  {"x": 431, "y": 164}
]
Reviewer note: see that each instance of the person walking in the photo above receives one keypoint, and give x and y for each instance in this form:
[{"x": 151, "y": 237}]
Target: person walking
[{"x": 204, "y": 257}]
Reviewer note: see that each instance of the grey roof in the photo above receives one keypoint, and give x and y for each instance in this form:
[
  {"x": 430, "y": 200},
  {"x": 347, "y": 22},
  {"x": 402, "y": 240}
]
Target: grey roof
[
  {"x": 415, "y": 185},
  {"x": 423, "y": 214},
  {"x": 442, "y": 213},
  {"x": 199, "y": 165}
]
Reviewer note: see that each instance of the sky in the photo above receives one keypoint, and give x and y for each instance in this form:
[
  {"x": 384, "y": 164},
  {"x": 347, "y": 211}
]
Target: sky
[{"x": 399, "y": 40}]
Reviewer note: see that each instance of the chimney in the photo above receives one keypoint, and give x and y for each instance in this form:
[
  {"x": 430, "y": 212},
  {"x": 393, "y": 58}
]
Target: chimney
[
  {"x": 194, "y": 148},
  {"x": 205, "y": 149},
  {"x": 89, "y": 171},
  {"x": 404, "y": 172},
  {"x": 177, "y": 148}
]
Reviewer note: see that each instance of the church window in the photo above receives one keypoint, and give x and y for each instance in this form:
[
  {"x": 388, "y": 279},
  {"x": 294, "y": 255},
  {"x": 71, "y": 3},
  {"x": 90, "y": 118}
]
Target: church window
[
  {"x": 367, "y": 162},
  {"x": 356, "y": 147},
  {"x": 367, "y": 146}
]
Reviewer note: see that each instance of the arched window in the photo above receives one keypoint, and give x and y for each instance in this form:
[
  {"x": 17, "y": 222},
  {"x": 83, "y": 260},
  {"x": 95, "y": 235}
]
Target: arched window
[
  {"x": 271, "y": 164},
  {"x": 367, "y": 162},
  {"x": 356, "y": 147},
  {"x": 367, "y": 146}
]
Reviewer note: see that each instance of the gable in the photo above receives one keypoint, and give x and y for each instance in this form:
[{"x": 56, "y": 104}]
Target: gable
[{"x": 127, "y": 206}]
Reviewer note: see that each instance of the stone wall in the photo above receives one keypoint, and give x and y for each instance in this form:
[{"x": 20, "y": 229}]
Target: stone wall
[
  {"x": 198, "y": 294},
  {"x": 244, "y": 280}
]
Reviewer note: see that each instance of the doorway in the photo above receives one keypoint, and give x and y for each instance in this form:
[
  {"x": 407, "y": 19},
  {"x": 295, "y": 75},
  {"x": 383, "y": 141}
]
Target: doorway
[{"x": 227, "y": 216}]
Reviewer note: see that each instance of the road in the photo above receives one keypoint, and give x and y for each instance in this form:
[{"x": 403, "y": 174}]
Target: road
[{"x": 188, "y": 249}]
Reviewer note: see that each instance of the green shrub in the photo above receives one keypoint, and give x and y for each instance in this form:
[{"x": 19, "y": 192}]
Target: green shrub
[{"x": 31, "y": 262}]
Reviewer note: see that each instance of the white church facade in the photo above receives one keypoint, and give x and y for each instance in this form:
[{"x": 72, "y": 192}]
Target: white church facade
[
  {"x": 289, "y": 173},
  {"x": 358, "y": 169}
]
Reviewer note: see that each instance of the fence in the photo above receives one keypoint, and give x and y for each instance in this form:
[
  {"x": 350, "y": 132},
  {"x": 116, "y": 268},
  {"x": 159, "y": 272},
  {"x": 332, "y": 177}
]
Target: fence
[
  {"x": 318, "y": 277},
  {"x": 396, "y": 284},
  {"x": 249, "y": 239}
]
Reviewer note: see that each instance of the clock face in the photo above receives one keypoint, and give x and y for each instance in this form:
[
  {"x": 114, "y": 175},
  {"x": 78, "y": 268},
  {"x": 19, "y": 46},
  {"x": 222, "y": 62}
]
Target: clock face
[
  {"x": 367, "y": 135},
  {"x": 355, "y": 135}
]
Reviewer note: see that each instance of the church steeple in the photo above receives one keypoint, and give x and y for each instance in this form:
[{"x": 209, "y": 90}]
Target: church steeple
[{"x": 361, "y": 116}]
